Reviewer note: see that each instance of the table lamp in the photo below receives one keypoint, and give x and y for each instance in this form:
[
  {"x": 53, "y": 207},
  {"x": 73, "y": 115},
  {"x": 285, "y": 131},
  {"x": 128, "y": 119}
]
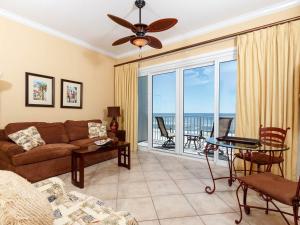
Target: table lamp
[{"x": 114, "y": 112}]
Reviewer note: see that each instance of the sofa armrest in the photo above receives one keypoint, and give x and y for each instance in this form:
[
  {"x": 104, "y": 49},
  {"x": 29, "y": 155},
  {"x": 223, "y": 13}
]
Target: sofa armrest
[{"x": 10, "y": 148}]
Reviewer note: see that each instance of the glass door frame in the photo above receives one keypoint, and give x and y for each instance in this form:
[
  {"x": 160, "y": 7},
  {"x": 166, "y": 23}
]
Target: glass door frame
[{"x": 214, "y": 58}]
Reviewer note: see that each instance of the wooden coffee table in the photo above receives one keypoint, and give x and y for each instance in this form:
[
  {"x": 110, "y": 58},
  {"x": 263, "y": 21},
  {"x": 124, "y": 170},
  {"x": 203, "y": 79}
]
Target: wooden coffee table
[{"x": 78, "y": 157}]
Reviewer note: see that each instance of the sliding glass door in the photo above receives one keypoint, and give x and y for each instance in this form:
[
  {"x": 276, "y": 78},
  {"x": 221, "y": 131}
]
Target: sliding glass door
[
  {"x": 198, "y": 107},
  {"x": 164, "y": 111},
  {"x": 180, "y": 104},
  {"x": 227, "y": 95}
]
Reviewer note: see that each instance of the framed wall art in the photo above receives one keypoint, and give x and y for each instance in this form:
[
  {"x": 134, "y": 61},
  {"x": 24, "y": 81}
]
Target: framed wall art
[
  {"x": 39, "y": 90},
  {"x": 71, "y": 94}
]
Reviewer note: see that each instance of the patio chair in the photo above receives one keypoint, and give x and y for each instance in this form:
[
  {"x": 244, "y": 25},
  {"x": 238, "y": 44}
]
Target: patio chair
[
  {"x": 270, "y": 187},
  {"x": 169, "y": 143},
  {"x": 270, "y": 136},
  {"x": 224, "y": 128}
]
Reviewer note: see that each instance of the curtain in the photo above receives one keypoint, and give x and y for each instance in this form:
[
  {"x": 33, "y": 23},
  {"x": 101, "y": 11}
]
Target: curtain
[
  {"x": 126, "y": 78},
  {"x": 268, "y": 85}
]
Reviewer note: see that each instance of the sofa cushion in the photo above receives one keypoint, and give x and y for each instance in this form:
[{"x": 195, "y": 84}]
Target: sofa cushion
[
  {"x": 21, "y": 202},
  {"x": 50, "y": 132},
  {"x": 43, "y": 153},
  {"x": 78, "y": 129}
]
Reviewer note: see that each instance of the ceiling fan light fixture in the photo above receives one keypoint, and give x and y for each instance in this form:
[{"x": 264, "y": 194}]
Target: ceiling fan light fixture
[{"x": 139, "y": 41}]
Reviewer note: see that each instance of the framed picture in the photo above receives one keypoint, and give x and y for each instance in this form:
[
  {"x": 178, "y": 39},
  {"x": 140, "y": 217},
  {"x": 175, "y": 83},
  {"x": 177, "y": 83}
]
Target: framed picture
[
  {"x": 39, "y": 90},
  {"x": 71, "y": 94}
]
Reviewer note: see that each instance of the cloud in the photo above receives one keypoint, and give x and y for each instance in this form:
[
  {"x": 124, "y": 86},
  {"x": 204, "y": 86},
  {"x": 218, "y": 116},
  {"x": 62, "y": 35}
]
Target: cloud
[{"x": 199, "y": 76}]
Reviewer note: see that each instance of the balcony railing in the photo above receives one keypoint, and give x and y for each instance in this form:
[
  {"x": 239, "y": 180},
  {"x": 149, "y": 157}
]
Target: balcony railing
[{"x": 193, "y": 124}]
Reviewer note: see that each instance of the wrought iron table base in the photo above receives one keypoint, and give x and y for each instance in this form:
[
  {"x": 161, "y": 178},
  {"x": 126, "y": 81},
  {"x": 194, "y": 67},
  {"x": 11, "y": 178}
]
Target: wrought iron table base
[{"x": 231, "y": 178}]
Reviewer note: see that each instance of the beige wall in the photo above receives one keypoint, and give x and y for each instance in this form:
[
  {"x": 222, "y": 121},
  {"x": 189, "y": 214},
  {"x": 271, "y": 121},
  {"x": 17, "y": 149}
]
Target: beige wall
[
  {"x": 23, "y": 49},
  {"x": 292, "y": 12}
]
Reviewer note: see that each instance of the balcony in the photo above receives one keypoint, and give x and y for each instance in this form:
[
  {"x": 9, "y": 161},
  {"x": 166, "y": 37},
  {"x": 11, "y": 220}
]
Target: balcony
[{"x": 194, "y": 123}]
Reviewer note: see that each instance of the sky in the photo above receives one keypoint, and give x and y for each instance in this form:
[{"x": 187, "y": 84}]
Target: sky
[{"x": 198, "y": 90}]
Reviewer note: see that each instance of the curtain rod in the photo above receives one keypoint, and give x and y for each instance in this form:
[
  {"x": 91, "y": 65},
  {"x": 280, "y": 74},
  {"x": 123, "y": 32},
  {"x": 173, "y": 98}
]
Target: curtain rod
[{"x": 228, "y": 36}]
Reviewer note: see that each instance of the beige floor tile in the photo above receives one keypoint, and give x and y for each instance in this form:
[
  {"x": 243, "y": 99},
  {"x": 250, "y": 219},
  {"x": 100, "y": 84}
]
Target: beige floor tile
[
  {"x": 133, "y": 190},
  {"x": 103, "y": 191},
  {"x": 172, "y": 206},
  {"x": 153, "y": 175},
  {"x": 258, "y": 217},
  {"x": 221, "y": 185},
  {"x": 180, "y": 174},
  {"x": 204, "y": 204},
  {"x": 130, "y": 176},
  {"x": 201, "y": 173},
  {"x": 163, "y": 187},
  {"x": 150, "y": 222},
  {"x": 141, "y": 208},
  {"x": 195, "y": 220},
  {"x": 172, "y": 166},
  {"x": 190, "y": 186},
  {"x": 105, "y": 177},
  {"x": 230, "y": 198},
  {"x": 133, "y": 169},
  {"x": 222, "y": 219},
  {"x": 151, "y": 167}
]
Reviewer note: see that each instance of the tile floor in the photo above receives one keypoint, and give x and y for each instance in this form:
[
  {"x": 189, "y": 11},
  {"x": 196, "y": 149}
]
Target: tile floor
[{"x": 168, "y": 190}]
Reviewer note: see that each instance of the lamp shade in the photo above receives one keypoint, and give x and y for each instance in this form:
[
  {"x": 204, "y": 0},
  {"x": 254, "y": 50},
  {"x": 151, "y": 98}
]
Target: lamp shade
[{"x": 113, "y": 111}]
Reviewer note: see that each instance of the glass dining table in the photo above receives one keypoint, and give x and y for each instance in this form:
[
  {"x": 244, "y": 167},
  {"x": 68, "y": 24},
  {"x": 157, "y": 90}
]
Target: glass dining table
[{"x": 245, "y": 146}]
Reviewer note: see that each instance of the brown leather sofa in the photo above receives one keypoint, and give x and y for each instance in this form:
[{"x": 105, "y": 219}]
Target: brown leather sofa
[{"x": 51, "y": 159}]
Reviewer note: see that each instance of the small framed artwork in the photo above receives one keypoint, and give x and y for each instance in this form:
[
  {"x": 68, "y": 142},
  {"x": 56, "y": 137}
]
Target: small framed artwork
[
  {"x": 39, "y": 90},
  {"x": 71, "y": 94}
]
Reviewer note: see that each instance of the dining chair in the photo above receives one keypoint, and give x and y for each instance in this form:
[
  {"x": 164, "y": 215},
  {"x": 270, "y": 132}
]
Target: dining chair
[
  {"x": 268, "y": 136},
  {"x": 169, "y": 143},
  {"x": 270, "y": 187}
]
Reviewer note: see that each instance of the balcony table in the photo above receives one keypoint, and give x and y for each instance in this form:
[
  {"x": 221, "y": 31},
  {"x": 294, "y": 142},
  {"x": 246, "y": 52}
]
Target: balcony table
[{"x": 212, "y": 144}]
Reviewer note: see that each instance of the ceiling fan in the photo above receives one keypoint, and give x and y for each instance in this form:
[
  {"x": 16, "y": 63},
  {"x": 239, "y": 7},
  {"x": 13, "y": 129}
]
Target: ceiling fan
[{"x": 140, "y": 39}]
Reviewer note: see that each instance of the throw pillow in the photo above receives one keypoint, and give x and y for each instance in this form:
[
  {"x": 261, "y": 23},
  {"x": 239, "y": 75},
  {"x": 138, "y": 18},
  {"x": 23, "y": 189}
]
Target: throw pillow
[
  {"x": 97, "y": 130},
  {"x": 28, "y": 138},
  {"x": 21, "y": 203}
]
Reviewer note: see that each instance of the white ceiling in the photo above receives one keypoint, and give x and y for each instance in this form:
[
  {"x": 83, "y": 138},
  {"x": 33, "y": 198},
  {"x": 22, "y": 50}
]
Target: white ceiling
[{"x": 85, "y": 21}]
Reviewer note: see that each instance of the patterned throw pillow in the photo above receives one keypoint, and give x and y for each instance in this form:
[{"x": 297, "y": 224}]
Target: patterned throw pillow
[
  {"x": 97, "y": 130},
  {"x": 28, "y": 138}
]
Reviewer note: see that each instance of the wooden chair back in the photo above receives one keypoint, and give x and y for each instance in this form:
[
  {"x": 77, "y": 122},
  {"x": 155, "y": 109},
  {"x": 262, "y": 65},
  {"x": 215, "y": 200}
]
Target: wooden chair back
[{"x": 272, "y": 136}]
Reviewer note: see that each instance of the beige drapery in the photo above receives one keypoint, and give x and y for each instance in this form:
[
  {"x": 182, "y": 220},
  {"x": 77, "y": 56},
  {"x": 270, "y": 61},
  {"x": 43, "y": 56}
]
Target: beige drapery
[
  {"x": 268, "y": 85},
  {"x": 126, "y": 78}
]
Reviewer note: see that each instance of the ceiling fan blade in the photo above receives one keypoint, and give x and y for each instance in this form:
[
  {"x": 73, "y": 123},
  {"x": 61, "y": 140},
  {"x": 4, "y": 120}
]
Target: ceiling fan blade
[
  {"x": 162, "y": 25},
  {"x": 122, "y": 22},
  {"x": 122, "y": 40},
  {"x": 154, "y": 42}
]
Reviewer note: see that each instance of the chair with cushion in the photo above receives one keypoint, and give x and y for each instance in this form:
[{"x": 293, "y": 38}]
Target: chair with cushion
[
  {"x": 169, "y": 143},
  {"x": 269, "y": 136},
  {"x": 270, "y": 187}
]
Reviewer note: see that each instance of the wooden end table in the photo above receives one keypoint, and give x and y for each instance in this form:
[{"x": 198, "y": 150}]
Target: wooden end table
[{"x": 78, "y": 159}]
